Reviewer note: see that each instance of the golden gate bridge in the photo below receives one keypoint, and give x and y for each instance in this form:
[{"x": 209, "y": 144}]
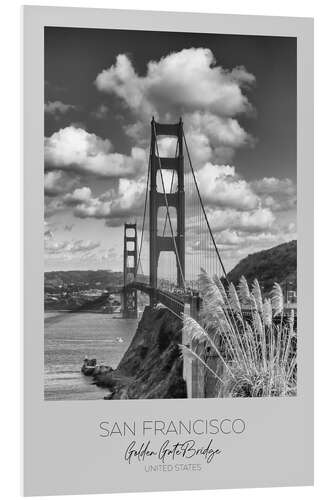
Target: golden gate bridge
[{"x": 173, "y": 207}]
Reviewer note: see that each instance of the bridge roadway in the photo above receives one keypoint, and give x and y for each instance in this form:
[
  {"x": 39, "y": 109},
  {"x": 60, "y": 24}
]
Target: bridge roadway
[
  {"x": 177, "y": 301},
  {"x": 172, "y": 301}
]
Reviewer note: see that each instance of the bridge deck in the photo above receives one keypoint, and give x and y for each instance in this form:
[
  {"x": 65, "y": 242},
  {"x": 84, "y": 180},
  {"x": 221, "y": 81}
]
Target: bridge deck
[{"x": 176, "y": 301}]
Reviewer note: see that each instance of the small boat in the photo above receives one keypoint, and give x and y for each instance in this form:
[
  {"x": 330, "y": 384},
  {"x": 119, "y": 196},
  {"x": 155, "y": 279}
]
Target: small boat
[{"x": 88, "y": 366}]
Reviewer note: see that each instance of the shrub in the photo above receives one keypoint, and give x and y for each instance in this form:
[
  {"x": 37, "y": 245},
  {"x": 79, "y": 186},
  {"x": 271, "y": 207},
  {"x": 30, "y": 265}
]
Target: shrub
[{"x": 253, "y": 339}]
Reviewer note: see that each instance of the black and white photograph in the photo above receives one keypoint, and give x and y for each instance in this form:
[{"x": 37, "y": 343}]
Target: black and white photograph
[{"x": 170, "y": 237}]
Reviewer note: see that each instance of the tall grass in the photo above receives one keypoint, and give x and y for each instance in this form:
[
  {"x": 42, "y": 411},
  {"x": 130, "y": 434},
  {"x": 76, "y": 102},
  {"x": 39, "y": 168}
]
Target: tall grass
[{"x": 252, "y": 339}]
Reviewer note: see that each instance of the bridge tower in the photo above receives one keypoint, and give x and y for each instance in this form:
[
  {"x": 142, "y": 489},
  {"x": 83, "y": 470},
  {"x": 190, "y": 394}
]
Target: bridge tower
[
  {"x": 176, "y": 199},
  {"x": 130, "y": 300}
]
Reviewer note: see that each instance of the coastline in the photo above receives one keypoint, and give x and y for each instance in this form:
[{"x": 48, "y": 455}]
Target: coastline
[{"x": 68, "y": 339}]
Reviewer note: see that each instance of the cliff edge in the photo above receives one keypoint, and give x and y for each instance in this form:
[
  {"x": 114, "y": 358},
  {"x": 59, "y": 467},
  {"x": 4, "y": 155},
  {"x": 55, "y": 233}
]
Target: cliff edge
[{"x": 151, "y": 368}]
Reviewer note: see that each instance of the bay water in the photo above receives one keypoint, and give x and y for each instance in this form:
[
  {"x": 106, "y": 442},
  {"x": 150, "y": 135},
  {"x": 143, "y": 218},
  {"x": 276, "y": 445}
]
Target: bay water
[{"x": 68, "y": 338}]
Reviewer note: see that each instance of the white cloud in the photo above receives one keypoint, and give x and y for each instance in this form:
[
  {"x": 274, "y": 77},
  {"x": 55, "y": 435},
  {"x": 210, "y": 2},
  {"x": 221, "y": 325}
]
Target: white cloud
[
  {"x": 230, "y": 201},
  {"x": 260, "y": 219},
  {"x": 188, "y": 80},
  {"x": 69, "y": 247},
  {"x": 213, "y": 138},
  {"x": 277, "y": 194},
  {"x": 57, "y": 108},
  {"x": 232, "y": 238},
  {"x": 272, "y": 185},
  {"x": 75, "y": 149},
  {"x": 85, "y": 205},
  {"x": 57, "y": 182},
  {"x": 74, "y": 146},
  {"x": 115, "y": 205},
  {"x": 187, "y": 83},
  {"x": 79, "y": 195},
  {"x": 166, "y": 146},
  {"x": 94, "y": 258},
  {"x": 53, "y": 205},
  {"x": 220, "y": 186}
]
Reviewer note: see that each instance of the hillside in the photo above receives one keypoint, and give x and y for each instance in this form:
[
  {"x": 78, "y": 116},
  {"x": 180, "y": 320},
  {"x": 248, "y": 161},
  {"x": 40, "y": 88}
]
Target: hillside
[
  {"x": 82, "y": 290},
  {"x": 83, "y": 280},
  {"x": 277, "y": 264}
]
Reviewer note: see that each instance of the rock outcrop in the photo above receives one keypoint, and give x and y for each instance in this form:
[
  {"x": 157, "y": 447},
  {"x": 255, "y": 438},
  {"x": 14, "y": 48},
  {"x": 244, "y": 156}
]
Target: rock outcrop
[
  {"x": 151, "y": 368},
  {"x": 91, "y": 368}
]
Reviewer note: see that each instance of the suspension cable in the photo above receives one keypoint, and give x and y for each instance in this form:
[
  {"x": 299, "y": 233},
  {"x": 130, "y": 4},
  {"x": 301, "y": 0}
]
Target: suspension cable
[
  {"x": 144, "y": 217},
  {"x": 203, "y": 208},
  {"x": 140, "y": 265}
]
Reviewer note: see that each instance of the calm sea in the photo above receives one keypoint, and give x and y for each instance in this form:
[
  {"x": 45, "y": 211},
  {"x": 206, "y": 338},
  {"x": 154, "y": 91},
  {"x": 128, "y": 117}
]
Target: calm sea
[{"x": 68, "y": 338}]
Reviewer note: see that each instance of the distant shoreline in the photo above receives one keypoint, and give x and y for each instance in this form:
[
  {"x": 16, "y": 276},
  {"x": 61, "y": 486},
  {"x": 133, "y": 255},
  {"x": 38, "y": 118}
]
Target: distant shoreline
[{"x": 77, "y": 312}]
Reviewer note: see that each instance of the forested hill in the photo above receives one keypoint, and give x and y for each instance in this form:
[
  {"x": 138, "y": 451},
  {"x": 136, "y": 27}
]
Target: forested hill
[{"x": 277, "y": 264}]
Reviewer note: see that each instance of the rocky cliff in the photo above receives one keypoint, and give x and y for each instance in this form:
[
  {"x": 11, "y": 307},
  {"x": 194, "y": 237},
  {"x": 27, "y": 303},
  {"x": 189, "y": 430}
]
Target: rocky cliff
[{"x": 151, "y": 368}]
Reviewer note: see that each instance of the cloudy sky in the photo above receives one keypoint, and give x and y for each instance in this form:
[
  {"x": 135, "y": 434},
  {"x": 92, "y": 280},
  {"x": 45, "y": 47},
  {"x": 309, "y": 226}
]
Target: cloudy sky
[{"x": 237, "y": 98}]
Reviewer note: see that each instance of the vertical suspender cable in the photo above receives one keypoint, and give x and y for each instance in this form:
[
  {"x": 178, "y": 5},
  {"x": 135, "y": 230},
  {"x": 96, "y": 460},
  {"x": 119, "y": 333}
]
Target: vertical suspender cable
[{"x": 203, "y": 209}]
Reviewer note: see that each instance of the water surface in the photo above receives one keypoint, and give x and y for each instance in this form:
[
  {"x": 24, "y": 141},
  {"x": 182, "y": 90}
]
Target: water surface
[{"x": 68, "y": 338}]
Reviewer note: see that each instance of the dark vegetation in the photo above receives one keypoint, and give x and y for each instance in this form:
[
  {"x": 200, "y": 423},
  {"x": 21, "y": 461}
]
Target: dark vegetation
[{"x": 277, "y": 264}]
